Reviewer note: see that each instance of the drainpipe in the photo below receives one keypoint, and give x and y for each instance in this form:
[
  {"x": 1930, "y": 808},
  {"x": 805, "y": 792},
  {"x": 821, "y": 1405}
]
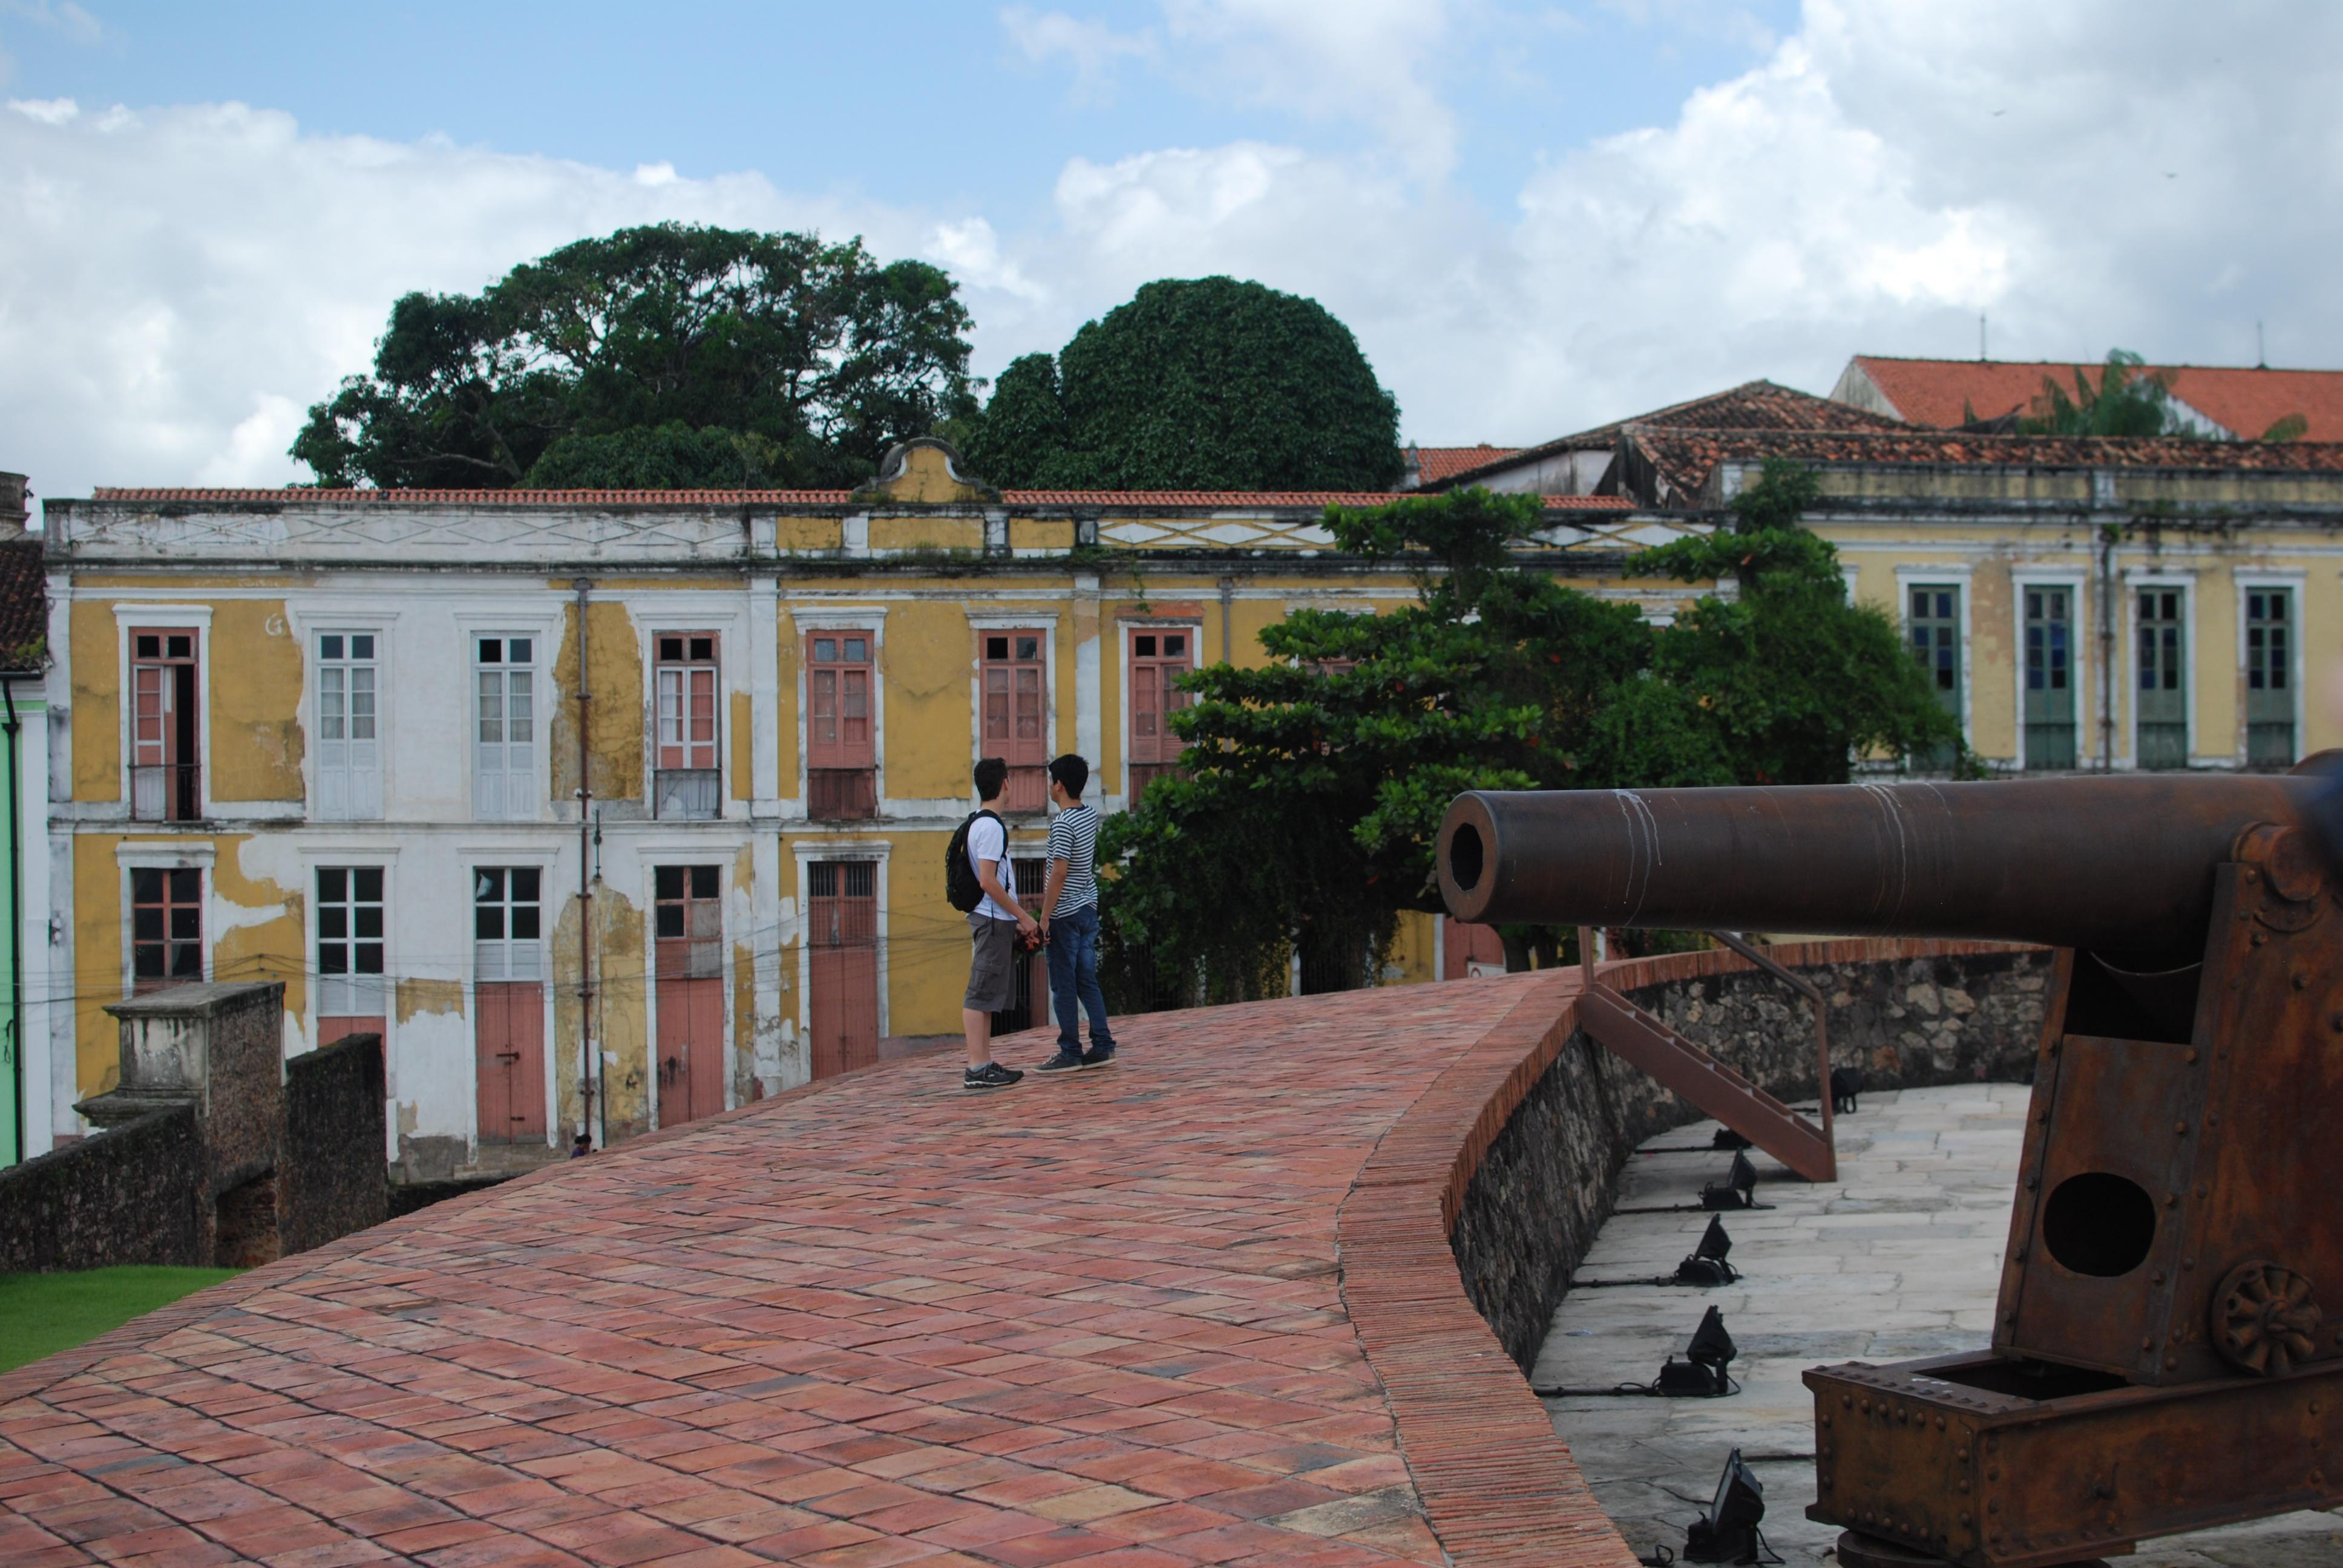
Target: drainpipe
[
  {"x": 2107, "y": 648},
  {"x": 12, "y": 728},
  {"x": 1228, "y": 604},
  {"x": 586, "y": 1064}
]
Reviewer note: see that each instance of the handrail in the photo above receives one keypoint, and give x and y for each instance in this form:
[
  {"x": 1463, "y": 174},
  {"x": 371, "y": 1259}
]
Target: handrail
[{"x": 1813, "y": 993}]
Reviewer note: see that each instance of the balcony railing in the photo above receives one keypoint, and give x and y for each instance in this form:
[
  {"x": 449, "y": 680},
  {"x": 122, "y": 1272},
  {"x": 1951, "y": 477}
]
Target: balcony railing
[
  {"x": 688, "y": 794},
  {"x": 1028, "y": 789},
  {"x": 1144, "y": 774},
  {"x": 841, "y": 794},
  {"x": 166, "y": 792}
]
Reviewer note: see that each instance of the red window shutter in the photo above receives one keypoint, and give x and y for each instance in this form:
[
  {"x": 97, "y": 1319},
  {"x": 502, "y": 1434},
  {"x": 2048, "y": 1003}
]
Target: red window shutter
[
  {"x": 684, "y": 674},
  {"x": 1016, "y": 687},
  {"x": 839, "y": 672},
  {"x": 1158, "y": 658}
]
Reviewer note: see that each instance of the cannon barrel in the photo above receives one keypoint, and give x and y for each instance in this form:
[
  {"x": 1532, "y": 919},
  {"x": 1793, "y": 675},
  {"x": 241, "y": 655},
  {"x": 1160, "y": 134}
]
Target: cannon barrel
[{"x": 2117, "y": 865}]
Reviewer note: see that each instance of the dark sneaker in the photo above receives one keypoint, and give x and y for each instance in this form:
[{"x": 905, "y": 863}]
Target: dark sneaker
[
  {"x": 991, "y": 1075},
  {"x": 1064, "y": 1061},
  {"x": 1099, "y": 1056}
]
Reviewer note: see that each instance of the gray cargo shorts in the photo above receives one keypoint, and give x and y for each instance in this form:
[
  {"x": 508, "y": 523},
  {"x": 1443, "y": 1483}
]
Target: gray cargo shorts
[{"x": 991, "y": 967}]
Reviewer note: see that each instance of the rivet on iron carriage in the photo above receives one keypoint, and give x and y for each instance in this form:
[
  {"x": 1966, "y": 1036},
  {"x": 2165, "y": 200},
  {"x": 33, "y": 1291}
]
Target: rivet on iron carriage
[{"x": 2161, "y": 1361}]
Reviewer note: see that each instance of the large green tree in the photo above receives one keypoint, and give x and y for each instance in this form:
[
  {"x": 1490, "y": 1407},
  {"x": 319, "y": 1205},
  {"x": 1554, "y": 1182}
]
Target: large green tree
[
  {"x": 671, "y": 355},
  {"x": 1315, "y": 784},
  {"x": 1202, "y": 384}
]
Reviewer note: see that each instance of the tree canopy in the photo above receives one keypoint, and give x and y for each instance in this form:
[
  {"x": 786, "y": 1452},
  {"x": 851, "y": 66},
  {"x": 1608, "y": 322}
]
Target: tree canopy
[
  {"x": 669, "y": 355},
  {"x": 1315, "y": 784},
  {"x": 1208, "y": 384}
]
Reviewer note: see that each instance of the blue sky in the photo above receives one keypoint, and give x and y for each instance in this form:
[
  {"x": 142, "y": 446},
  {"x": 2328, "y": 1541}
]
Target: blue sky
[
  {"x": 1536, "y": 218},
  {"x": 942, "y": 104}
]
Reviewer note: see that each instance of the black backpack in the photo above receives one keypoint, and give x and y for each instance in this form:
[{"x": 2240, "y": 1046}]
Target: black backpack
[{"x": 960, "y": 885}]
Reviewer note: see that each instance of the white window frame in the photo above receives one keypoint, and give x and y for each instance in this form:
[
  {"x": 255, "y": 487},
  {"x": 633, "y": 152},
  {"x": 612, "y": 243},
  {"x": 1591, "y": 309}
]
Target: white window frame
[
  {"x": 652, "y": 857},
  {"x": 534, "y": 770},
  {"x": 194, "y": 617},
  {"x": 2078, "y": 584},
  {"x": 363, "y": 782},
  {"x": 688, "y": 612},
  {"x": 2136, "y": 579},
  {"x": 1125, "y": 624},
  {"x": 1960, "y": 573},
  {"x": 1042, "y": 618},
  {"x": 2296, "y": 581},
  {"x": 349, "y": 861},
  {"x": 150, "y": 856},
  {"x": 807, "y": 850},
  {"x": 870, "y": 619}
]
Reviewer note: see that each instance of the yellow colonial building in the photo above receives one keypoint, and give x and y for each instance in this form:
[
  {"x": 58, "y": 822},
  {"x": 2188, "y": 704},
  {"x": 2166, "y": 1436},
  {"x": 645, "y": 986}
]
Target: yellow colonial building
[{"x": 613, "y": 809}]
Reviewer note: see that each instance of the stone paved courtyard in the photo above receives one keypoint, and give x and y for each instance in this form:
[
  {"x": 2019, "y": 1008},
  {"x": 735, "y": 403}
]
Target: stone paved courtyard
[{"x": 1899, "y": 1259}]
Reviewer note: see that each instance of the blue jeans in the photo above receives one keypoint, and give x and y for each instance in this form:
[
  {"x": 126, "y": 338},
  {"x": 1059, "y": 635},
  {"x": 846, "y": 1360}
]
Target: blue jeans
[{"x": 1073, "y": 973}]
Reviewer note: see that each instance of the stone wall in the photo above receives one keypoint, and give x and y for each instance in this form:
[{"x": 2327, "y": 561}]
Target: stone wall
[
  {"x": 1955, "y": 1013},
  {"x": 333, "y": 1171},
  {"x": 128, "y": 1196}
]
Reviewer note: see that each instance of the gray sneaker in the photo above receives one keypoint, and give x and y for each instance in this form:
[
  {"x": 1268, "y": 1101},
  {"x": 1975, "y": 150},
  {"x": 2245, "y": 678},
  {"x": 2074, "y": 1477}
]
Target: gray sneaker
[
  {"x": 991, "y": 1075},
  {"x": 1064, "y": 1061}
]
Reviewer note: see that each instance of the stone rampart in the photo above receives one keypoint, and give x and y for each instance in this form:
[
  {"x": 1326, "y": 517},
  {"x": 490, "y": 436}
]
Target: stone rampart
[{"x": 1903, "y": 1014}]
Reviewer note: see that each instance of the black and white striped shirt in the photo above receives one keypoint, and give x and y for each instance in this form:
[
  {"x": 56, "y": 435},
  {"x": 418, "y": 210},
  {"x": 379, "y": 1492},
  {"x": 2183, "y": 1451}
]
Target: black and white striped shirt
[{"x": 1073, "y": 839}]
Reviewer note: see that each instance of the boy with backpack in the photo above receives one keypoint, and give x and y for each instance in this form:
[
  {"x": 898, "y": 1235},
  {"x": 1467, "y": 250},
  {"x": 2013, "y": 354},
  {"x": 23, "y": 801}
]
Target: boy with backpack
[
  {"x": 1070, "y": 921},
  {"x": 973, "y": 864}
]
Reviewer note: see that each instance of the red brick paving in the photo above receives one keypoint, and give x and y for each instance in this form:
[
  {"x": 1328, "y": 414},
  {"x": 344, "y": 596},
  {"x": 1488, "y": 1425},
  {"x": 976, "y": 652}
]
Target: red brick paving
[{"x": 1097, "y": 1323}]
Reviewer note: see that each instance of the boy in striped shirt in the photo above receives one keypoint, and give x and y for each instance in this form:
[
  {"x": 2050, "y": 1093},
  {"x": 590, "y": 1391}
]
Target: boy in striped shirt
[{"x": 1070, "y": 921}]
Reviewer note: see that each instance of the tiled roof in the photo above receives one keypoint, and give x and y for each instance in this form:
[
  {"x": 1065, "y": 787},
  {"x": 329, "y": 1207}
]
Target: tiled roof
[
  {"x": 2245, "y": 401},
  {"x": 23, "y": 606},
  {"x": 1752, "y": 406},
  {"x": 1681, "y": 461},
  {"x": 296, "y": 494},
  {"x": 1435, "y": 464},
  {"x": 1219, "y": 498}
]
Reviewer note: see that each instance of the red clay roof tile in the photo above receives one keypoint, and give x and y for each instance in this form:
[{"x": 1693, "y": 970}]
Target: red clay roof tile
[{"x": 2245, "y": 401}]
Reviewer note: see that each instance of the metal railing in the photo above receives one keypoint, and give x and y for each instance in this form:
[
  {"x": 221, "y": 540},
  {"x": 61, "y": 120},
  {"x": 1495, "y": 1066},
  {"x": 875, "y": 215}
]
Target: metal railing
[
  {"x": 689, "y": 794},
  {"x": 841, "y": 794},
  {"x": 166, "y": 792}
]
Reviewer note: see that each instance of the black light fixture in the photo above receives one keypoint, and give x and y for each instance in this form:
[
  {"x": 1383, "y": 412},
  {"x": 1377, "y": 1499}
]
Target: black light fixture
[
  {"x": 1707, "y": 1265},
  {"x": 1728, "y": 1139},
  {"x": 1737, "y": 1190},
  {"x": 1702, "y": 1373},
  {"x": 1728, "y": 1532}
]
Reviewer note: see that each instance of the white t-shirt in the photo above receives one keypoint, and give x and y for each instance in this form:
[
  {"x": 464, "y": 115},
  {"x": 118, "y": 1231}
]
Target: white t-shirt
[{"x": 988, "y": 840}]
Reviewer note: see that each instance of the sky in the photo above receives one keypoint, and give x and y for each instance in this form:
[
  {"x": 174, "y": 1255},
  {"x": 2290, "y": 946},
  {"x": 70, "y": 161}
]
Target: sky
[{"x": 1537, "y": 217}]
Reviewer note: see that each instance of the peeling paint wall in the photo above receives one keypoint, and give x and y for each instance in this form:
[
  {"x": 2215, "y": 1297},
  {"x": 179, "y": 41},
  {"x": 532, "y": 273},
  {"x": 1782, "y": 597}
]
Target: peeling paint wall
[
  {"x": 254, "y": 677},
  {"x": 614, "y": 736}
]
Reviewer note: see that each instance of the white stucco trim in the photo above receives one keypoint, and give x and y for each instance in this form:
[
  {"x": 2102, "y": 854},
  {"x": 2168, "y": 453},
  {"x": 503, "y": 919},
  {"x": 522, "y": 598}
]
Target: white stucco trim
[
  {"x": 1957, "y": 574},
  {"x": 2133, "y": 579},
  {"x": 2076, "y": 581},
  {"x": 871, "y": 619},
  {"x": 840, "y": 847},
  {"x": 2297, "y": 580}
]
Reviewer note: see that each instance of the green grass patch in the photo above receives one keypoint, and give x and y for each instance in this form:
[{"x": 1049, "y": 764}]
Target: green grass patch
[{"x": 41, "y": 1314}]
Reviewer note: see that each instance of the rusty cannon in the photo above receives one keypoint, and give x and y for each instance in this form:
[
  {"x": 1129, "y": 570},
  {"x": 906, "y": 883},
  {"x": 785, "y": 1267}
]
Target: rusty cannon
[{"x": 2161, "y": 1361}]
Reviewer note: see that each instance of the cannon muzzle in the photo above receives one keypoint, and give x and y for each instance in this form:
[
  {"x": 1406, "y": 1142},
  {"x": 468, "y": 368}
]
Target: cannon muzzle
[{"x": 2115, "y": 865}]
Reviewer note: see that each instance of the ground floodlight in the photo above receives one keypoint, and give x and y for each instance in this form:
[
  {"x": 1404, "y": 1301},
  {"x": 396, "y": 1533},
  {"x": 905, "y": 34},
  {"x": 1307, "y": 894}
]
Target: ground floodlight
[
  {"x": 1728, "y": 1532},
  {"x": 1702, "y": 1373},
  {"x": 1737, "y": 1190},
  {"x": 1706, "y": 1266}
]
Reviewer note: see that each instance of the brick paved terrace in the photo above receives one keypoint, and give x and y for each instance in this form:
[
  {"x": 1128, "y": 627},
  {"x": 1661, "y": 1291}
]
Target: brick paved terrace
[{"x": 875, "y": 1322}]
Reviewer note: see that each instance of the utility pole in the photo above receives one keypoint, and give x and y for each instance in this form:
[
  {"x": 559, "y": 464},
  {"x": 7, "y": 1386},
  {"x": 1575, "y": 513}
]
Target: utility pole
[{"x": 586, "y": 1075}]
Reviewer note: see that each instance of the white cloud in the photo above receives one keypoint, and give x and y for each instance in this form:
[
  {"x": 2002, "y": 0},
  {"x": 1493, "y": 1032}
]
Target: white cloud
[
  {"x": 177, "y": 286},
  {"x": 48, "y": 111},
  {"x": 173, "y": 290},
  {"x": 1092, "y": 48},
  {"x": 64, "y": 19}
]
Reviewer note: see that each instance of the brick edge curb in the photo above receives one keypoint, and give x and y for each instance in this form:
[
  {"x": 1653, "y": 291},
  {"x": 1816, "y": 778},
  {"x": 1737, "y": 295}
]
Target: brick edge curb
[{"x": 1500, "y": 1489}]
